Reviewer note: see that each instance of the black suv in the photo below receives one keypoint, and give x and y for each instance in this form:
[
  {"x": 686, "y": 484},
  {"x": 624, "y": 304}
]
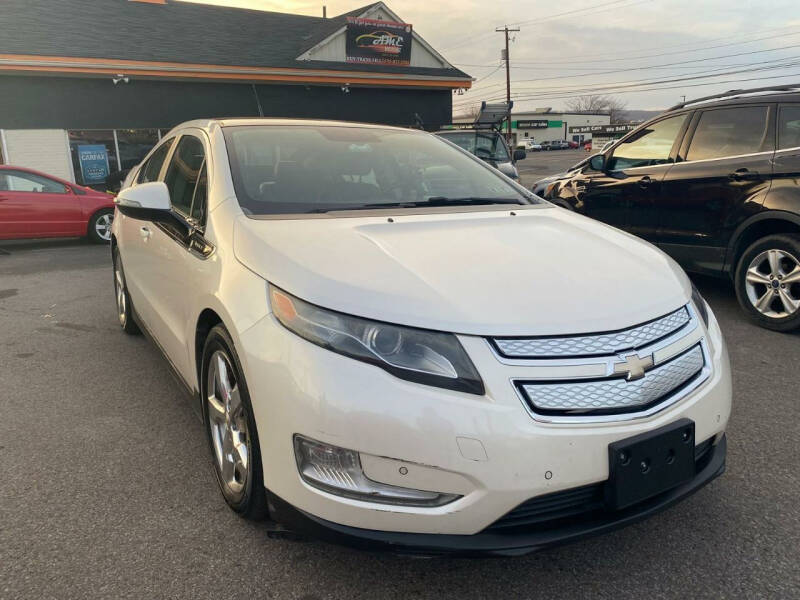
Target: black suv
[{"x": 715, "y": 183}]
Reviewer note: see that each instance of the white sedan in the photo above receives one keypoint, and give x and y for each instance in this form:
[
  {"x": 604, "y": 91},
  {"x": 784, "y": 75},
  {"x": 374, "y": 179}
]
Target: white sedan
[{"x": 394, "y": 346}]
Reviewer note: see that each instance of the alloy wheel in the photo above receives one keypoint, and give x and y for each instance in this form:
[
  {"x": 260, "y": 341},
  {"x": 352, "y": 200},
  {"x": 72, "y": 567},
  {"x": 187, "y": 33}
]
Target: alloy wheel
[
  {"x": 772, "y": 283},
  {"x": 102, "y": 226},
  {"x": 227, "y": 421}
]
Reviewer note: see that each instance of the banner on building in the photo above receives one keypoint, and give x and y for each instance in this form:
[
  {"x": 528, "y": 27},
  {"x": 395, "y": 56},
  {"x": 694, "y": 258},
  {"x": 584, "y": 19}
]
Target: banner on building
[
  {"x": 622, "y": 128},
  {"x": 377, "y": 42},
  {"x": 94, "y": 163}
]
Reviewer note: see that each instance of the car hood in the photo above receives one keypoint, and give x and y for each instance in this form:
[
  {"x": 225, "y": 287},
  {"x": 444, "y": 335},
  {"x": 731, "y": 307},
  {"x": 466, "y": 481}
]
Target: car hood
[{"x": 533, "y": 271}]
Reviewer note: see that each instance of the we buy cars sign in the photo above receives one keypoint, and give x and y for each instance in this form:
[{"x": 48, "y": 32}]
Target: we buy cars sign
[{"x": 377, "y": 42}]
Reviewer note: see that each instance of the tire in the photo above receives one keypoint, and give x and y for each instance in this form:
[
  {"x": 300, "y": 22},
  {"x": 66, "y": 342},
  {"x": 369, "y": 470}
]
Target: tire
[
  {"x": 99, "y": 229},
  {"x": 124, "y": 304},
  {"x": 767, "y": 282},
  {"x": 231, "y": 428}
]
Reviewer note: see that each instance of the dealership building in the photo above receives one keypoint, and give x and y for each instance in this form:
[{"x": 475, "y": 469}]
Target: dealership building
[
  {"x": 87, "y": 87},
  {"x": 544, "y": 125}
]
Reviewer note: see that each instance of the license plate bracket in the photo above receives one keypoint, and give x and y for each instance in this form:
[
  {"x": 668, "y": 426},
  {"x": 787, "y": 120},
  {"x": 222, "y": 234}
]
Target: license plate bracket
[{"x": 647, "y": 464}]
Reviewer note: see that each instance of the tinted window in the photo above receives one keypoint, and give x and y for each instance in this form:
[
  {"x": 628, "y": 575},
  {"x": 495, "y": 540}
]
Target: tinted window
[
  {"x": 184, "y": 172},
  {"x": 151, "y": 169},
  {"x": 648, "y": 146},
  {"x": 729, "y": 132},
  {"x": 301, "y": 169},
  {"x": 789, "y": 127},
  {"x": 20, "y": 181}
]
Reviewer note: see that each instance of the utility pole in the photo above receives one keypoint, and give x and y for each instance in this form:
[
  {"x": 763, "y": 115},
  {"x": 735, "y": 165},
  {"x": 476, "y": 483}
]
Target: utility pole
[{"x": 507, "y": 58}]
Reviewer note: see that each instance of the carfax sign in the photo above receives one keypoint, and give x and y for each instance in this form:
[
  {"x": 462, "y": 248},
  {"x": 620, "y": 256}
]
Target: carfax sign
[
  {"x": 377, "y": 42},
  {"x": 94, "y": 163}
]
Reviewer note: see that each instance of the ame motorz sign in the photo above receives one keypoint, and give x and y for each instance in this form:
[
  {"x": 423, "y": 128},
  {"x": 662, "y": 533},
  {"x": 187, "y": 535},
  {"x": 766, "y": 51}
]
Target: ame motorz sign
[{"x": 377, "y": 42}]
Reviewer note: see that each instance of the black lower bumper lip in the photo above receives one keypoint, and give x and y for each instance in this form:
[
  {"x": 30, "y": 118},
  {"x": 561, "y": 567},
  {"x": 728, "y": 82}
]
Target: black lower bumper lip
[{"x": 488, "y": 543}]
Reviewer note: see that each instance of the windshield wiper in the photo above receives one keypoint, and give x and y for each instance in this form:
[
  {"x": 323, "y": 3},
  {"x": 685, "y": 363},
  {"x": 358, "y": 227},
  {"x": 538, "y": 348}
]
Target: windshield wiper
[{"x": 432, "y": 201}]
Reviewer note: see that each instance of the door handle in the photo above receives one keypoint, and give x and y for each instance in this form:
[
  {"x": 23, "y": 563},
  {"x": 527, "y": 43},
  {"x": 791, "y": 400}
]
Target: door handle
[
  {"x": 743, "y": 174},
  {"x": 644, "y": 181},
  {"x": 145, "y": 233}
]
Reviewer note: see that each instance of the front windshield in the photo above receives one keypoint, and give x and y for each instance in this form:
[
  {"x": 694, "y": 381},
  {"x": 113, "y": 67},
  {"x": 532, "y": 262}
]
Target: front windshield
[
  {"x": 483, "y": 144},
  {"x": 314, "y": 169}
]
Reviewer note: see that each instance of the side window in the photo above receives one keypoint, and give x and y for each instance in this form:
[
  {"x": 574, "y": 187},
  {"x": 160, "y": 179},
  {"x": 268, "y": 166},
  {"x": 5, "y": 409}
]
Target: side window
[
  {"x": 199, "y": 200},
  {"x": 20, "y": 181},
  {"x": 729, "y": 132},
  {"x": 150, "y": 170},
  {"x": 789, "y": 127},
  {"x": 649, "y": 146},
  {"x": 183, "y": 173}
]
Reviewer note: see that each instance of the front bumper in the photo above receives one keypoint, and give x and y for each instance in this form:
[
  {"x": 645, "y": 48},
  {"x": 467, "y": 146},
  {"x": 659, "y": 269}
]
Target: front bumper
[
  {"x": 508, "y": 543},
  {"x": 486, "y": 449}
]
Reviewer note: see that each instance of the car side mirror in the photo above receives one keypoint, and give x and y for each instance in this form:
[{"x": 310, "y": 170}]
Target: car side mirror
[
  {"x": 145, "y": 202},
  {"x": 519, "y": 154},
  {"x": 597, "y": 163}
]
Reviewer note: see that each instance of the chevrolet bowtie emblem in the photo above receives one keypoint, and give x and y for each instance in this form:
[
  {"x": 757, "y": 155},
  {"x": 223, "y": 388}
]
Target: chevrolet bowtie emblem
[{"x": 633, "y": 367}]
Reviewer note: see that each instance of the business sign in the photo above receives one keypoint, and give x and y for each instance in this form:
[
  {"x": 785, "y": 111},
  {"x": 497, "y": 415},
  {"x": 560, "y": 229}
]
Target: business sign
[
  {"x": 368, "y": 41},
  {"x": 94, "y": 163},
  {"x": 532, "y": 124},
  {"x": 624, "y": 128}
]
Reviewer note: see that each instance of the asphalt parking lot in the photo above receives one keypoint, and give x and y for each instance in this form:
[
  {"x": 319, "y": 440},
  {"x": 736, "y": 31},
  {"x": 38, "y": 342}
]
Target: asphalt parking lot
[
  {"x": 541, "y": 164},
  {"x": 107, "y": 490}
]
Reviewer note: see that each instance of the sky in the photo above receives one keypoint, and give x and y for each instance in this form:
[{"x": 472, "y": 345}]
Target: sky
[{"x": 647, "y": 53}]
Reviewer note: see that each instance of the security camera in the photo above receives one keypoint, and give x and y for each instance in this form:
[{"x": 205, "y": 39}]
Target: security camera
[
  {"x": 346, "y": 88},
  {"x": 119, "y": 77}
]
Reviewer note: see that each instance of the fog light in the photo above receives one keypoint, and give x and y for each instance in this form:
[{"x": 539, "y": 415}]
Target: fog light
[{"x": 338, "y": 471}]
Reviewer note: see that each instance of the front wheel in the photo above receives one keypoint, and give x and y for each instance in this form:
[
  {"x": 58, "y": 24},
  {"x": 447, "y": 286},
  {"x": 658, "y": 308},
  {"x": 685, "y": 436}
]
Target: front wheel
[
  {"x": 231, "y": 427},
  {"x": 124, "y": 304},
  {"x": 100, "y": 226},
  {"x": 768, "y": 282}
]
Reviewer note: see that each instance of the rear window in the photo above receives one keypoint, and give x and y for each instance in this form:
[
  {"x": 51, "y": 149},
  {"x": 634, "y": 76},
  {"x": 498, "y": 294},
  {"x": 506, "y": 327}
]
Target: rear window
[
  {"x": 312, "y": 169},
  {"x": 729, "y": 132},
  {"x": 483, "y": 144},
  {"x": 789, "y": 127}
]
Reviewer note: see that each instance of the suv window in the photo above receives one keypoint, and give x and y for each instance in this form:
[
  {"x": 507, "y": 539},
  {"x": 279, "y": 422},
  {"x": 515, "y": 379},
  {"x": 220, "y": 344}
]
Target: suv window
[
  {"x": 789, "y": 127},
  {"x": 20, "y": 181},
  {"x": 151, "y": 169},
  {"x": 183, "y": 173},
  {"x": 648, "y": 146},
  {"x": 729, "y": 132}
]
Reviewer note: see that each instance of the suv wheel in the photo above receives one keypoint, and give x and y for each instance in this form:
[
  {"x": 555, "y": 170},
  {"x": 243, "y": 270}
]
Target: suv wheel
[
  {"x": 768, "y": 282},
  {"x": 231, "y": 428}
]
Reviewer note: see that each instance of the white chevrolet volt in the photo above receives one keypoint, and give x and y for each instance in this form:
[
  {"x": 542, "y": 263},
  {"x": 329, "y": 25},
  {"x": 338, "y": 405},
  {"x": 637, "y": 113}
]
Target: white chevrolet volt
[{"x": 396, "y": 347}]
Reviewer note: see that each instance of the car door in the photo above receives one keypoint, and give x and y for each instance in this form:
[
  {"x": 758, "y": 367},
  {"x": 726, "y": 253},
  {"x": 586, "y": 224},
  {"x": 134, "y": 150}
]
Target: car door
[
  {"x": 721, "y": 176},
  {"x": 786, "y": 164},
  {"x": 134, "y": 234},
  {"x": 32, "y": 205},
  {"x": 168, "y": 264},
  {"x": 624, "y": 193}
]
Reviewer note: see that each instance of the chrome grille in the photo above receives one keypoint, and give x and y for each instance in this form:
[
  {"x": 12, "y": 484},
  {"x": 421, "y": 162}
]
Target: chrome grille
[
  {"x": 600, "y": 344},
  {"x": 612, "y": 395}
]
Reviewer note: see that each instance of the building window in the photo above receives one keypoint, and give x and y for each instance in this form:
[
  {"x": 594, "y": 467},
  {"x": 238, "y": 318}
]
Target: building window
[
  {"x": 94, "y": 156},
  {"x": 134, "y": 144}
]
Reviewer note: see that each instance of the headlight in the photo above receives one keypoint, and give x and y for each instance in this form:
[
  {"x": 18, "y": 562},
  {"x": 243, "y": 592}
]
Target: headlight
[
  {"x": 700, "y": 304},
  {"x": 418, "y": 355}
]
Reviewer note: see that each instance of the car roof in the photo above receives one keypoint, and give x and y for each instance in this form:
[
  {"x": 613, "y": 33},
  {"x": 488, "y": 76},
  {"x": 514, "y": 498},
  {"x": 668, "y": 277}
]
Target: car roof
[
  {"x": 271, "y": 121},
  {"x": 738, "y": 100}
]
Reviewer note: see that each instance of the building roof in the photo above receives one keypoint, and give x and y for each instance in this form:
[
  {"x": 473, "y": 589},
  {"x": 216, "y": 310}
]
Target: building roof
[{"x": 177, "y": 32}]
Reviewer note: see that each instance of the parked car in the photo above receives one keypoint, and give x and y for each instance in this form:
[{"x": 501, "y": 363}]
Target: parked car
[
  {"x": 36, "y": 205},
  {"x": 488, "y": 145},
  {"x": 375, "y": 326},
  {"x": 572, "y": 144},
  {"x": 530, "y": 146},
  {"x": 563, "y": 144},
  {"x": 713, "y": 182},
  {"x": 547, "y": 145},
  {"x": 543, "y": 186},
  {"x": 587, "y": 146}
]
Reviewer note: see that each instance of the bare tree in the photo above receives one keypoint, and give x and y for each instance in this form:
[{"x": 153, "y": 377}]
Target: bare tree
[
  {"x": 599, "y": 103},
  {"x": 472, "y": 112}
]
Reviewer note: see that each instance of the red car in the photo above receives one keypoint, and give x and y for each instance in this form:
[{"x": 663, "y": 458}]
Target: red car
[
  {"x": 572, "y": 144},
  {"x": 588, "y": 146},
  {"x": 35, "y": 205}
]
